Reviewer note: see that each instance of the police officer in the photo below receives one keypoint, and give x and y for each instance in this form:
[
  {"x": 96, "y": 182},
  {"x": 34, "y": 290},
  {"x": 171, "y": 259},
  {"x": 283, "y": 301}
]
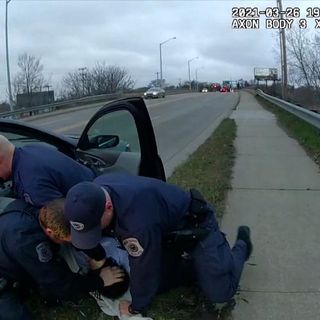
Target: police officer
[
  {"x": 28, "y": 258},
  {"x": 40, "y": 173},
  {"x": 143, "y": 213}
]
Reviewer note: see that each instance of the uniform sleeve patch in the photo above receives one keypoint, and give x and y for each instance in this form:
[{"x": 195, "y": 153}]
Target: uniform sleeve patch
[
  {"x": 133, "y": 247},
  {"x": 44, "y": 252}
]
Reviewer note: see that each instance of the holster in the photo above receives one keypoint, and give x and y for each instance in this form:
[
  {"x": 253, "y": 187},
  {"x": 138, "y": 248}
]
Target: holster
[
  {"x": 3, "y": 284},
  {"x": 12, "y": 286},
  {"x": 198, "y": 209},
  {"x": 186, "y": 238}
]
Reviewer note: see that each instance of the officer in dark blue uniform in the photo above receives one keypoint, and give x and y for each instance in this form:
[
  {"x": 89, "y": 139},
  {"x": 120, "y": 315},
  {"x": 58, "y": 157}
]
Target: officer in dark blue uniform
[
  {"x": 29, "y": 258},
  {"x": 145, "y": 214},
  {"x": 40, "y": 173}
]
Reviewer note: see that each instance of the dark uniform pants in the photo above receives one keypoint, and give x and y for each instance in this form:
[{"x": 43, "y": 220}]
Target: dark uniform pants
[
  {"x": 11, "y": 308},
  {"x": 218, "y": 268}
]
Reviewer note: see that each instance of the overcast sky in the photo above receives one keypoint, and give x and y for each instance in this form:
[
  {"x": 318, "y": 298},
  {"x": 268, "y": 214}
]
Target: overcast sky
[{"x": 68, "y": 35}]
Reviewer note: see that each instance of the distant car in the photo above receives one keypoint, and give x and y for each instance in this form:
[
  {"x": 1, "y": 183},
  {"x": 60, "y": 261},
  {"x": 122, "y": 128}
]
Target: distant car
[
  {"x": 155, "y": 92},
  {"x": 225, "y": 89},
  {"x": 216, "y": 87},
  {"x": 205, "y": 90}
]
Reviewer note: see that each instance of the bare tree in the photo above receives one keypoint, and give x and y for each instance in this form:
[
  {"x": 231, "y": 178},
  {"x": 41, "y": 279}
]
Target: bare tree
[
  {"x": 304, "y": 58},
  {"x": 298, "y": 50},
  {"x": 29, "y": 76},
  {"x": 73, "y": 85},
  {"x": 110, "y": 79},
  {"x": 304, "y": 65},
  {"x": 101, "y": 79}
]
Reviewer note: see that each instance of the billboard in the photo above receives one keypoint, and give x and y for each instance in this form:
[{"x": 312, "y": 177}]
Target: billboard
[
  {"x": 266, "y": 73},
  {"x": 33, "y": 99}
]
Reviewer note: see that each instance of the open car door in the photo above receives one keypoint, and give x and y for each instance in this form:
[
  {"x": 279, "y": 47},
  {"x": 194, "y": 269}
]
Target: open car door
[{"x": 120, "y": 137}]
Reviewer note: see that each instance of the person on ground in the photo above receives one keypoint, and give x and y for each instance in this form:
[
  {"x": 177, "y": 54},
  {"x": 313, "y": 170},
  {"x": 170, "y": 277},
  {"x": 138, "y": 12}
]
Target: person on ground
[
  {"x": 29, "y": 245},
  {"x": 157, "y": 222}
]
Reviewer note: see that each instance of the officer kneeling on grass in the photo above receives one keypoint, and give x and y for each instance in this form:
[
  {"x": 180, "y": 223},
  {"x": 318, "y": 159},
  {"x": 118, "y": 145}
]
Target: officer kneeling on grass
[
  {"x": 156, "y": 222},
  {"x": 29, "y": 258}
]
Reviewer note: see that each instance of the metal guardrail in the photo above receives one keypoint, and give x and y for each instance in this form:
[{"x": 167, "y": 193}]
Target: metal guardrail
[
  {"x": 309, "y": 116},
  {"x": 28, "y": 112}
]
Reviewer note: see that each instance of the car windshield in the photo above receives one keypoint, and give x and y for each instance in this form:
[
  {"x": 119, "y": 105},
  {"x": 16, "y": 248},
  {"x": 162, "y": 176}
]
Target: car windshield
[{"x": 153, "y": 89}]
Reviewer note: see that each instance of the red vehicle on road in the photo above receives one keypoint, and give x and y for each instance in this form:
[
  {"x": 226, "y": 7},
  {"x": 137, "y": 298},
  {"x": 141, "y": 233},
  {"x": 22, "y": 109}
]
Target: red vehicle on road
[
  {"x": 215, "y": 87},
  {"x": 225, "y": 89}
]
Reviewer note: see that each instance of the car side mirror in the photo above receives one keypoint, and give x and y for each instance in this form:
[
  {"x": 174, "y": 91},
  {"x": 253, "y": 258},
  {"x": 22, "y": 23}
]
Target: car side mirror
[{"x": 104, "y": 141}]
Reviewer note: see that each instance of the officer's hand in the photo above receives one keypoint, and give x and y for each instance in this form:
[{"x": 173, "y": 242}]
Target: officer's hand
[
  {"x": 95, "y": 264},
  {"x": 124, "y": 307},
  {"x": 111, "y": 275}
]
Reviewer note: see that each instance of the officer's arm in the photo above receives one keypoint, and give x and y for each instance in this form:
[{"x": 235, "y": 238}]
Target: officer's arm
[
  {"x": 145, "y": 266},
  {"x": 39, "y": 193},
  {"x": 36, "y": 189},
  {"x": 54, "y": 278}
]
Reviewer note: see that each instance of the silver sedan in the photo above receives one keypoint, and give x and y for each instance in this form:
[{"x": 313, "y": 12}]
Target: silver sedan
[{"x": 155, "y": 92}]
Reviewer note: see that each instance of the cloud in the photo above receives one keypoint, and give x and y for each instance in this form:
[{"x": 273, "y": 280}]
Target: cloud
[{"x": 72, "y": 34}]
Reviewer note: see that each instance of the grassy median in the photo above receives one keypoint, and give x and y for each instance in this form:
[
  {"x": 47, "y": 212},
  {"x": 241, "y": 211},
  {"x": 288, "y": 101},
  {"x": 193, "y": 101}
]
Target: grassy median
[
  {"x": 307, "y": 135},
  {"x": 209, "y": 170}
]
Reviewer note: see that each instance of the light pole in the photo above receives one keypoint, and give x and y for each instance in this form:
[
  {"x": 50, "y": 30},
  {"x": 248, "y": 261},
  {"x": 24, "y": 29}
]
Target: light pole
[
  {"x": 7, "y": 57},
  {"x": 197, "y": 76},
  {"x": 82, "y": 73},
  {"x": 173, "y": 38},
  {"x": 189, "y": 70},
  {"x": 283, "y": 52}
]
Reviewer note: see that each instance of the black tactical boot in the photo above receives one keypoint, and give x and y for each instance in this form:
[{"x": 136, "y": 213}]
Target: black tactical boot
[{"x": 244, "y": 235}]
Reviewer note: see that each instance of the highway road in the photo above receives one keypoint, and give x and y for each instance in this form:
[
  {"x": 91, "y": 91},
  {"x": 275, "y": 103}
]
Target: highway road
[{"x": 181, "y": 122}]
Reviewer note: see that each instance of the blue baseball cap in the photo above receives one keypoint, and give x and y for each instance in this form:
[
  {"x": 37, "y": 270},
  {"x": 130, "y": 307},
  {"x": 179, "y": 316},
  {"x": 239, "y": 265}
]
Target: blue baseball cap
[{"x": 84, "y": 206}]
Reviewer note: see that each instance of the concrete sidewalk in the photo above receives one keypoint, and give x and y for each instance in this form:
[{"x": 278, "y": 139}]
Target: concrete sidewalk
[{"x": 276, "y": 191}]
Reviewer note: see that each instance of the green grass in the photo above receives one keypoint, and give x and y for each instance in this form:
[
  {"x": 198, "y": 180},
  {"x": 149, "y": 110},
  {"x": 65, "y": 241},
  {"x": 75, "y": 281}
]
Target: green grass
[
  {"x": 307, "y": 135},
  {"x": 209, "y": 170},
  {"x": 86, "y": 308}
]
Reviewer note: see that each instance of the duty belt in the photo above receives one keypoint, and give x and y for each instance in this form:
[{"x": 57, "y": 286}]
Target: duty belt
[
  {"x": 8, "y": 285},
  {"x": 3, "y": 284},
  {"x": 190, "y": 232}
]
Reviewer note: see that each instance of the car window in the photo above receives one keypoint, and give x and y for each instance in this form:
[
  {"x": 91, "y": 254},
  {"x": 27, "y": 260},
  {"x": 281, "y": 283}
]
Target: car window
[{"x": 119, "y": 123}]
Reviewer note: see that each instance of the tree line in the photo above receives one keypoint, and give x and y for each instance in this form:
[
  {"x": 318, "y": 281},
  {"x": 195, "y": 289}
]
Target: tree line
[
  {"x": 304, "y": 65},
  {"x": 304, "y": 58},
  {"x": 100, "y": 79}
]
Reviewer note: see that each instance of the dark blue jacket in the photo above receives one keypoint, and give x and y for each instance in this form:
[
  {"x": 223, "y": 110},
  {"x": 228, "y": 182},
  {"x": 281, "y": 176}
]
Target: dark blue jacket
[
  {"x": 28, "y": 256},
  {"x": 145, "y": 210},
  {"x": 41, "y": 173}
]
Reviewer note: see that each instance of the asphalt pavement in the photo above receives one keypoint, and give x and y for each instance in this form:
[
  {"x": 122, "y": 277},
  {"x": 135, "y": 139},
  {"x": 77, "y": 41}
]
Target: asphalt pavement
[
  {"x": 276, "y": 191},
  {"x": 181, "y": 122}
]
